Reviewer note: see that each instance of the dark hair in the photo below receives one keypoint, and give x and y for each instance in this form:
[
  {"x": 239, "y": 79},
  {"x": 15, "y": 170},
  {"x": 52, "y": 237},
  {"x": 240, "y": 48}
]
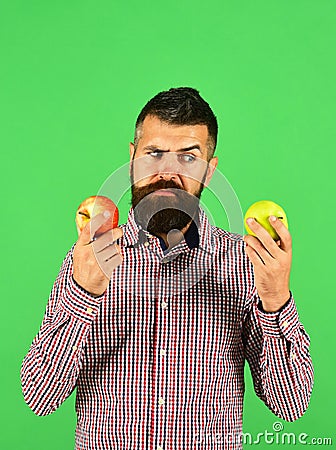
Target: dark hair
[{"x": 180, "y": 106}]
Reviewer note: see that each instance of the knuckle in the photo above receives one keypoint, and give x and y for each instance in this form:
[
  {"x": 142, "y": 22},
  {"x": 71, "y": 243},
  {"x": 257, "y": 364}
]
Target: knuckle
[
  {"x": 249, "y": 239},
  {"x": 258, "y": 245},
  {"x": 267, "y": 269},
  {"x": 91, "y": 262},
  {"x": 117, "y": 234},
  {"x": 276, "y": 264}
]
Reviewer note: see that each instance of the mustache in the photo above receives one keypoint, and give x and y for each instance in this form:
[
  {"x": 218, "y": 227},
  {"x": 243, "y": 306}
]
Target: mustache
[{"x": 160, "y": 184}]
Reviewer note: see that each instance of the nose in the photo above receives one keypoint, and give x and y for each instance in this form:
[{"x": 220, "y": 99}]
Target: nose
[
  {"x": 167, "y": 169},
  {"x": 167, "y": 176}
]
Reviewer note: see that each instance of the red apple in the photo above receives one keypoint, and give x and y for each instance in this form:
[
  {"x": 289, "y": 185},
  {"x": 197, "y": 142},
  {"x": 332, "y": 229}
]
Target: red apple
[{"x": 92, "y": 206}]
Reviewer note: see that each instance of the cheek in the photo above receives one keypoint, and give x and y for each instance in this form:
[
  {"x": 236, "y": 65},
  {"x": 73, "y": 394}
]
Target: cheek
[
  {"x": 190, "y": 185},
  {"x": 142, "y": 181},
  {"x": 142, "y": 173},
  {"x": 196, "y": 175}
]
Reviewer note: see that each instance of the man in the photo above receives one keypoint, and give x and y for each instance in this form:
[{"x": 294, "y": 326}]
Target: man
[{"x": 153, "y": 321}]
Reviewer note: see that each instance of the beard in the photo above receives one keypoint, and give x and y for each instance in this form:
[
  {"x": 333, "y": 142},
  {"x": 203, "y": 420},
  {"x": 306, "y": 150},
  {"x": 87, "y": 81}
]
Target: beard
[{"x": 158, "y": 213}]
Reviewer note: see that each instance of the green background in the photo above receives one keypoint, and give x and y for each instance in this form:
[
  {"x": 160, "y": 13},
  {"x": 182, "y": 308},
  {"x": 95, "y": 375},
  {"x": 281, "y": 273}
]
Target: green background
[{"x": 73, "y": 77}]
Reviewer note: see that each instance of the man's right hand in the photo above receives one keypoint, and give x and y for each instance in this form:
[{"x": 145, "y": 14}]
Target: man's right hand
[{"x": 94, "y": 260}]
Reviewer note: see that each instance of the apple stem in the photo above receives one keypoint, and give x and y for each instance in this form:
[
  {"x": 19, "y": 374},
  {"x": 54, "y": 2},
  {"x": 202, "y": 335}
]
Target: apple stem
[{"x": 83, "y": 214}]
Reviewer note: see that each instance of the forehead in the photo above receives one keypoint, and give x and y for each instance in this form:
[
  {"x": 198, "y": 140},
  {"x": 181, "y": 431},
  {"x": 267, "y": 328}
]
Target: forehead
[{"x": 170, "y": 137}]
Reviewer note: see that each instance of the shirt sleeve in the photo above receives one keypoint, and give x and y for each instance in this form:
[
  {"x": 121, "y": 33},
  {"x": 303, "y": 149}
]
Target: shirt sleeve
[
  {"x": 277, "y": 350},
  {"x": 50, "y": 369}
]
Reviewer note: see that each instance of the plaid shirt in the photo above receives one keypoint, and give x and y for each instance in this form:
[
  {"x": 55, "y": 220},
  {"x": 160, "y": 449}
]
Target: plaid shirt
[{"x": 158, "y": 359}]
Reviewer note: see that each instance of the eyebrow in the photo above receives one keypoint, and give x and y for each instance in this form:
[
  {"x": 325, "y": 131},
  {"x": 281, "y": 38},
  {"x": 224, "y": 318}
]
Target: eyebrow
[{"x": 153, "y": 148}]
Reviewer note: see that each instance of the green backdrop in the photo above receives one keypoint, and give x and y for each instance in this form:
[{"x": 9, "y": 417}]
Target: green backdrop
[{"x": 73, "y": 77}]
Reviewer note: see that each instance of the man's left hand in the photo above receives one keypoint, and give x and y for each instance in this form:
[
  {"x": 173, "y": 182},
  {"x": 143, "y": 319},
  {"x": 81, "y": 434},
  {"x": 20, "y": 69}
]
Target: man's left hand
[{"x": 272, "y": 263}]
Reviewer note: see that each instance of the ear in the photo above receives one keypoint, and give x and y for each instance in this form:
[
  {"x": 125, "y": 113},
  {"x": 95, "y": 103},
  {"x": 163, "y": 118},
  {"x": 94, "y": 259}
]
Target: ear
[
  {"x": 132, "y": 150},
  {"x": 210, "y": 170}
]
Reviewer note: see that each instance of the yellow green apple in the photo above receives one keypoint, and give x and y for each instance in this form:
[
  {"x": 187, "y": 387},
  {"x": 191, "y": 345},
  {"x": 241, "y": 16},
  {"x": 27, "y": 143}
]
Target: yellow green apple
[{"x": 261, "y": 211}]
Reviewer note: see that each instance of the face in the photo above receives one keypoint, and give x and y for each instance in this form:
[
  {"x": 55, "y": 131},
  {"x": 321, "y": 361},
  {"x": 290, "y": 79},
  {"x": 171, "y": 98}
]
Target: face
[{"x": 169, "y": 169}]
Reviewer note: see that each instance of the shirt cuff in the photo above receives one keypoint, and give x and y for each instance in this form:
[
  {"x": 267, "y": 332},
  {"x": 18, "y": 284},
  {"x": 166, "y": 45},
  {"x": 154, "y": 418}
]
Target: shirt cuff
[
  {"x": 79, "y": 303},
  {"x": 282, "y": 323}
]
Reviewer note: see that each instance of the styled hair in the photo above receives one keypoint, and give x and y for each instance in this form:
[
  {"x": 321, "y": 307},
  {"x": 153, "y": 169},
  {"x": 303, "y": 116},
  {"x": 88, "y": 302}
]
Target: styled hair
[{"x": 180, "y": 106}]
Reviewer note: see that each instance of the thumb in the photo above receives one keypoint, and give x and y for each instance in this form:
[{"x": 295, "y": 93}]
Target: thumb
[{"x": 92, "y": 226}]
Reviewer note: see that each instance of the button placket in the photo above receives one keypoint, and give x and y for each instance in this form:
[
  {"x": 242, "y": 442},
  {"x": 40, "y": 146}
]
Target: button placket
[{"x": 161, "y": 352}]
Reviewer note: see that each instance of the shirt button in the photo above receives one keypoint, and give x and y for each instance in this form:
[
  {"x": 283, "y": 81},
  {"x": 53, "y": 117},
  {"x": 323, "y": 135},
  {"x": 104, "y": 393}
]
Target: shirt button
[
  {"x": 89, "y": 310},
  {"x": 162, "y": 352},
  {"x": 161, "y": 401},
  {"x": 285, "y": 324},
  {"x": 293, "y": 356},
  {"x": 146, "y": 244},
  {"x": 164, "y": 305},
  {"x": 164, "y": 260},
  {"x": 159, "y": 448},
  {"x": 74, "y": 348}
]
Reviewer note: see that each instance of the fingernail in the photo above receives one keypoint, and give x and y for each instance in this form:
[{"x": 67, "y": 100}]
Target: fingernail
[
  {"x": 273, "y": 218},
  {"x": 249, "y": 220},
  {"x": 107, "y": 214}
]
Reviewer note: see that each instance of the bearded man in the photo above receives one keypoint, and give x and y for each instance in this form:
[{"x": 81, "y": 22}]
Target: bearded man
[{"x": 152, "y": 322}]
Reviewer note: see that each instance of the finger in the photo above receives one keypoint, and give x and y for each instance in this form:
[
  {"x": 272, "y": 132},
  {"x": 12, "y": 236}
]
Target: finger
[
  {"x": 264, "y": 236},
  {"x": 258, "y": 247},
  {"x": 107, "y": 253},
  {"x": 118, "y": 249},
  {"x": 282, "y": 232},
  {"x": 92, "y": 226},
  {"x": 254, "y": 257},
  {"x": 109, "y": 266},
  {"x": 106, "y": 239}
]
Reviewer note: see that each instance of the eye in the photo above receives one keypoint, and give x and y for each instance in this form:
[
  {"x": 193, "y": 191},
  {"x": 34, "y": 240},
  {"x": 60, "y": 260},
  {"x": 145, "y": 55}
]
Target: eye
[
  {"x": 186, "y": 158},
  {"x": 155, "y": 154}
]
